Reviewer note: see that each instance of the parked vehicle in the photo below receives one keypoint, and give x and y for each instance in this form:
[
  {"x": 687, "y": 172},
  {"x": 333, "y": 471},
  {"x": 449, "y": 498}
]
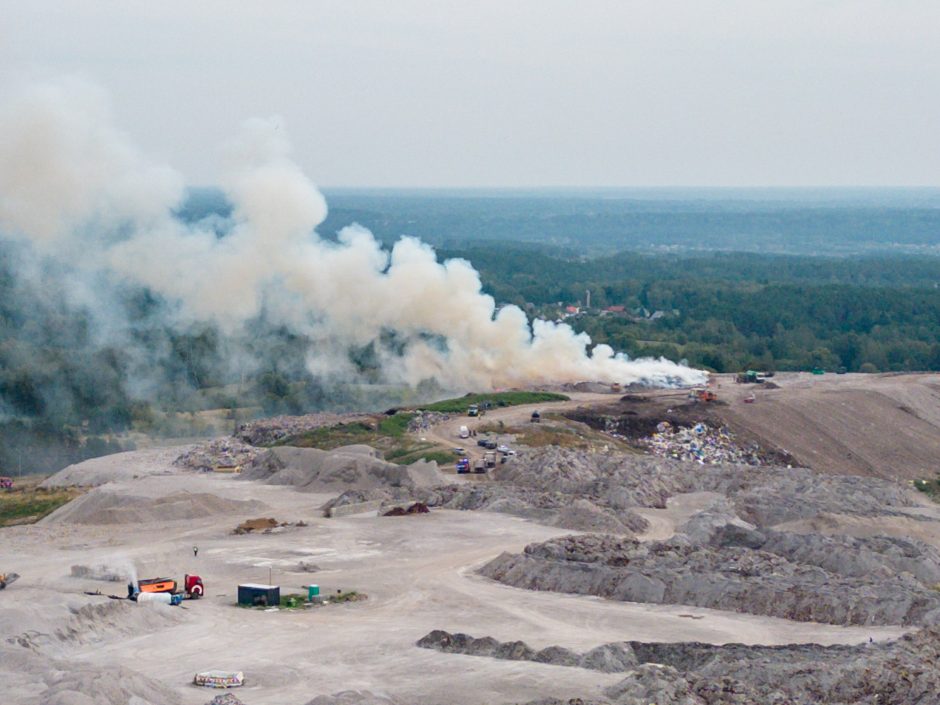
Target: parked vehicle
[
  {"x": 192, "y": 587},
  {"x": 463, "y": 466},
  {"x": 536, "y": 417},
  {"x": 464, "y": 432}
]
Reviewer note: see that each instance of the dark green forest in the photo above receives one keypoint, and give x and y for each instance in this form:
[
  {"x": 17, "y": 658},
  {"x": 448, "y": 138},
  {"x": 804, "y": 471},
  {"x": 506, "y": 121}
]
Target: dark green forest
[
  {"x": 732, "y": 311},
  {"x": 64, "y": 396}
]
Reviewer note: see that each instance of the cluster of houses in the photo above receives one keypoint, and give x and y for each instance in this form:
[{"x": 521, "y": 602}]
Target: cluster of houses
[{"x": 637, "y": 314}]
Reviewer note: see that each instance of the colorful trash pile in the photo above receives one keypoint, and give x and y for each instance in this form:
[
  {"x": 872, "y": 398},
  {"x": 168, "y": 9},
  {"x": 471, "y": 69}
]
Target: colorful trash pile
[
  {"x": 219, "y": 679},
  {"x": 700, "y": 444}
]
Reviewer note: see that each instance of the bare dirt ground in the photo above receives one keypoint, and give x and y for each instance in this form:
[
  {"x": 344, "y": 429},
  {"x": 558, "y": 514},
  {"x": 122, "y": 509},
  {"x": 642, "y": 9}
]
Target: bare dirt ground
[
  {"x": 885, "y": 425},
  {"x": 419, "y": 572},
  {"x": 448, "y": 432},
  {"x": 878, "y": 425}
]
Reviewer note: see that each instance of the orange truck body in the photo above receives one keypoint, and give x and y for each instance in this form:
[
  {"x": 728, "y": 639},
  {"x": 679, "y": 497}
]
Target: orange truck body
[{"x": 157, "y": 585}]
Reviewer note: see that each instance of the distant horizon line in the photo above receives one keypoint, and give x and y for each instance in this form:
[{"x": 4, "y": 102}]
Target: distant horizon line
[{"x": 340, "y": 187}]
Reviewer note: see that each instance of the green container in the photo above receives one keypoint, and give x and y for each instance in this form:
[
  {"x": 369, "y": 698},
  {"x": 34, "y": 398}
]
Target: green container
[{"x": 313, "y": 591}]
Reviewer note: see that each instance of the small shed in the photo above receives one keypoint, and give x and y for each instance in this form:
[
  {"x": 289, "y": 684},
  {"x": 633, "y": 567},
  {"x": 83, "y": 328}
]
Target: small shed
[{"x": 253, "y": 594}]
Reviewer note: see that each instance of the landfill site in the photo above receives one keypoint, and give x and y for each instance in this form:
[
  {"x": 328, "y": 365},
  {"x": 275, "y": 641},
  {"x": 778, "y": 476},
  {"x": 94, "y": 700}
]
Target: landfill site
[{"x": 761, "y": 541}]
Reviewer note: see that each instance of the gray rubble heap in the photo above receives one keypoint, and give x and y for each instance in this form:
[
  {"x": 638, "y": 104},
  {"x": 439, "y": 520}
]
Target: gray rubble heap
[
  {"x": 790, "y": 584},
  {"x": 902, "y": 672},
  {"x": 221, "y": 452},
  {"x": 265, "y": 432}
]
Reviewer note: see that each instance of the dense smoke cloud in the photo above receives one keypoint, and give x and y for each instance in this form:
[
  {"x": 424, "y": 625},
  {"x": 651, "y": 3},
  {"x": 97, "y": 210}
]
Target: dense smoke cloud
[{"x": 76, "y": 190}]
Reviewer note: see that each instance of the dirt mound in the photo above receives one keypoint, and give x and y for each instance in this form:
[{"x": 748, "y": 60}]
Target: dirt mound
[
  {"x": 355, "y": 467},
  {"x": 265, "y": 432},
  {"x": 106, "y": 686},
  {"x": 791, "y": 584},
  {"x": 550, "y": 508},
  {"x": 119, "y": 466},
  {"x": 901, "y": 672},
  {"x": 218, "y": 453},
  {"x": 763, "y": 496},
  {"x": 249, "y": 525},
  {"x": 96, "y": 622},
  {"x": 874, "y": 425},
  {"x": 353, "y": 697},
  {"x": 103, "y": 507}
]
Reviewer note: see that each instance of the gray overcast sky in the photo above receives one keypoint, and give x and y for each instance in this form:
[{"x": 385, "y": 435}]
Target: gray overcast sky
[{"x": 407, "y": 93}]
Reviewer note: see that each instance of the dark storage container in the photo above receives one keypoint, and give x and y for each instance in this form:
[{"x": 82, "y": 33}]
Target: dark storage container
[{"x": 254, "y": 595}]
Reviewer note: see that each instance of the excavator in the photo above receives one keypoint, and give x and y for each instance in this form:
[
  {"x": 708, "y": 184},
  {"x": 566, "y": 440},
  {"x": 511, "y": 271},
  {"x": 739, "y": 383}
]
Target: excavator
[{"x": 7, "y": 578}]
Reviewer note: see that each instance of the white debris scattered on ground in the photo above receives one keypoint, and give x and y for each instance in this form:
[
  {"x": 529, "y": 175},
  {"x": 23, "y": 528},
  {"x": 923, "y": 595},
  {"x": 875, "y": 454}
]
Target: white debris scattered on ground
[
  {"x": 700, "y": 444},
  {"x": 423, "y": 420}
]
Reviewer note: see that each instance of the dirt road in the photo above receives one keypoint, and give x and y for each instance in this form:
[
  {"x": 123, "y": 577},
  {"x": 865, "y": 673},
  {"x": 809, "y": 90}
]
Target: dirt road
[{"x": 448, "y": 432}]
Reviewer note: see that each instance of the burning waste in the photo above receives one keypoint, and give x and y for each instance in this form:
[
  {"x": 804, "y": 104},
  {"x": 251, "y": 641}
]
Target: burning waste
[{"x": 75, "y": 191}]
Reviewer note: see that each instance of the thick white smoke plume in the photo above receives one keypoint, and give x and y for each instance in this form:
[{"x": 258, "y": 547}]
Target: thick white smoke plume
[{"x": 77, "y": 190}]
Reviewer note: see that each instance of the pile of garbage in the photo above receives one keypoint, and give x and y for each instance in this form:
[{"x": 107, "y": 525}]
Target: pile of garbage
[
  {"x": 265, "y": 432},
  {"x": 700, "y": 444},
  {"x": 423, "y": 420},
  {"x": 220, "y": 453}
]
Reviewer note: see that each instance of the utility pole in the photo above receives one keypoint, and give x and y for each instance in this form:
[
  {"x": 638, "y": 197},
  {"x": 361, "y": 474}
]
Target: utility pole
[{"x": 587, "y": 302}]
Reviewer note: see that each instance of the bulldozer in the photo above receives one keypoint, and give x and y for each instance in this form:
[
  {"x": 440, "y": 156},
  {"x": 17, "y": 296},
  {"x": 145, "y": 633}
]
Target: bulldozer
[{"x": 705, "y": 395}]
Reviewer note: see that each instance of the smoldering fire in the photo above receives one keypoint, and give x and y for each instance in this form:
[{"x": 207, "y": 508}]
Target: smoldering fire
[{"x": 75, "y": 189}]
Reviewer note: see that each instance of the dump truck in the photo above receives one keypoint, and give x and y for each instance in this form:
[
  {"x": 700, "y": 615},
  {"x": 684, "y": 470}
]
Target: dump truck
[
  {"x": 7, "y": 578},
  {"x": 489, "y": 459},
  {"x": 479, "y": 466},
  {"x": 192, "y": 587}
]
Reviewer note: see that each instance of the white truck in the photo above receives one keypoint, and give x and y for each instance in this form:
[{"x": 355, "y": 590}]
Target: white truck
[{"x": 464, "y": 432}]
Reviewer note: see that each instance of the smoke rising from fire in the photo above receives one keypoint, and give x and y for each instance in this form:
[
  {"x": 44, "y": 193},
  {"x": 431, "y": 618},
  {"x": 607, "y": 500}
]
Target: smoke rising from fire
[{"x": 78, "y": 192}]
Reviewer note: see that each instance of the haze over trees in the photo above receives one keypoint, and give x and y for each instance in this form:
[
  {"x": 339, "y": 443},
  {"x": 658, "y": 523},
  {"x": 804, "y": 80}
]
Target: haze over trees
[{"x": 726, "y": 283}]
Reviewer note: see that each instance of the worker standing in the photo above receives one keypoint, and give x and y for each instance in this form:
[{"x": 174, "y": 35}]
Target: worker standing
[{"x": 195, "y": 551}]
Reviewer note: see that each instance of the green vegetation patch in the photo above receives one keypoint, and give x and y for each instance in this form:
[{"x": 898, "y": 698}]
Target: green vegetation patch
[
  {"x": 27, "y": 503},
  {"x": 496, "y": 399},
  {"x": 931, "y": 488},
  {"x": 387, "y": 434}
]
